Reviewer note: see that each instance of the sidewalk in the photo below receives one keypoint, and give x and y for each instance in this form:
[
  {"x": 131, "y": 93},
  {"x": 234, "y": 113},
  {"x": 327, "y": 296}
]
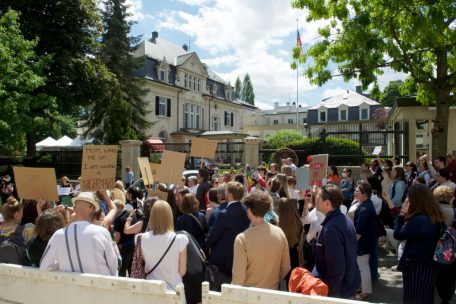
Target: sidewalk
[{"x": 388, "y": 288}]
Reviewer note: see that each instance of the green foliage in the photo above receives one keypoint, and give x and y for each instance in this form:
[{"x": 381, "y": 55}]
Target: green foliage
[
  {"x": 121, "y": 114},
  {"x": 23, "y": 110},
  {"x": 238, "y": 88},
  {"x": 412, "y": 37},
  {"x": 332, "y": 146},
  {"x": 282, "y": 139},
  {"x": 247, "y": 93},
  {"x": 68, "y": 34}
]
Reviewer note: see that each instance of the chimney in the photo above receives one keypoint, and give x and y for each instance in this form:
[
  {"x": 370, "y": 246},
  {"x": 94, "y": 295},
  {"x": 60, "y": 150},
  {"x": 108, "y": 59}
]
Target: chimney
[
  {"x": 154, "y": 37},
  {"x": 294, "y": 103},
  {"x": 358, "y": 89},
  {"x": 288, "y": 104},
  {"x": 276, "y": 105},
  {"x": 185, "y": 47},
  {"x": 300, "y": 106}
]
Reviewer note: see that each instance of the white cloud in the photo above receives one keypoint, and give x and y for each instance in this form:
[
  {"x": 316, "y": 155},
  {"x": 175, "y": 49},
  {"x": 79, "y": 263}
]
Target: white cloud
[
  {"x": 247, "y": 37},
  {"x": 134, "y": 8},
  {"x": 333, "y": 92},
  {"x": 194, "y": 2}
]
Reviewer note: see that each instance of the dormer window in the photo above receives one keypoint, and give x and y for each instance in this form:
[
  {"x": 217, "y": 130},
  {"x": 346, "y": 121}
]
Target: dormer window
[
  {"x": 162, "y": 73},
  {"x": 364, "y": 113},
  {"x": 343, "y": 115},
  {"x": 163, "y": 70},
  {"x": 322, "y": 115}
]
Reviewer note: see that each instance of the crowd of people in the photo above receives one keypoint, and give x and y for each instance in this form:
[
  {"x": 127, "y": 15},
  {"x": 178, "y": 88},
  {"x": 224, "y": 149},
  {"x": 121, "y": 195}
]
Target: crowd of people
[{"x": 253, "y": 226}]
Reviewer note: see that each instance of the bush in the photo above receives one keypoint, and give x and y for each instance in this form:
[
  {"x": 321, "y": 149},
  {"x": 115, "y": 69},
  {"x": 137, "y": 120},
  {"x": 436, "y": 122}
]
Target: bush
[
  {"x": 281, "y": 139},
  {"x": 331, "y": 146}
]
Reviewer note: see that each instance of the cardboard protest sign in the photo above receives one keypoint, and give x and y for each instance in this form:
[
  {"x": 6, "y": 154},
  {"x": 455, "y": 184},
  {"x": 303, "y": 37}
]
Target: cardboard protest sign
[
  {"x": 160, "y": 194},
  {"x": 155, "y": 169},
  {"x": 98, "y": 167},
  {"x": 203, "y": 148},
  {"x": 172, "y": 166},
  {"x": 377, "y": 150},
  {"x": 302, "y": 178},
  {"x": 318, "y": 169},
  {"x": 36, "y": 183},
  {"x": 146, "y": 171}
]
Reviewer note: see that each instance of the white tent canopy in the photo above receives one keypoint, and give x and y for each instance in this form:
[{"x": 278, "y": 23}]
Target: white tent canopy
[{"x": 50, "y": 144}]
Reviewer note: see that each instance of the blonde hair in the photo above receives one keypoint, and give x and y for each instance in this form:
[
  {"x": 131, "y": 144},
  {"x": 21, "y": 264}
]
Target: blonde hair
[
  {"x": 9, "y": 208},
  {"x": 117, "y": 194},
  {"x": 161, "y": 218},
  {"x": 443, "y": 194}
]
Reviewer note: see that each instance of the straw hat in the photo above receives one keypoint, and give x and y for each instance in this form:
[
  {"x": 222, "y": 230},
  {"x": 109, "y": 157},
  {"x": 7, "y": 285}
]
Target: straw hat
[{"x": 87, "y": 197}]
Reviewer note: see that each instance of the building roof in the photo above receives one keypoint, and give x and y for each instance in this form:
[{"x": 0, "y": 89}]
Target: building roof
[
  {"x": 288, "y": 109},
  {"x": 350, "y": 99},
  {"x": 174, "y": 54}
]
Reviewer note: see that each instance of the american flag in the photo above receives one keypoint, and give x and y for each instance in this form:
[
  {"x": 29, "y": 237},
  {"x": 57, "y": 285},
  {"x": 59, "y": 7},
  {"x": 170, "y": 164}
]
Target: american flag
[{"x": 299, "y": 42}]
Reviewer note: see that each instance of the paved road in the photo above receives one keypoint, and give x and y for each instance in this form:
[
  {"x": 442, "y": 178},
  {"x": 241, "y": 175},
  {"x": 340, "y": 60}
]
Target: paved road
[{"x": 388, "y": 288}]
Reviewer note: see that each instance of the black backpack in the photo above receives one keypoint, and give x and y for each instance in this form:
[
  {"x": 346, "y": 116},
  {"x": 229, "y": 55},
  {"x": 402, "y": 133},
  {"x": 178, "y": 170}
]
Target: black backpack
[
  {"x": 196, "y": 268},
  {"x": 12, "y": 248}
]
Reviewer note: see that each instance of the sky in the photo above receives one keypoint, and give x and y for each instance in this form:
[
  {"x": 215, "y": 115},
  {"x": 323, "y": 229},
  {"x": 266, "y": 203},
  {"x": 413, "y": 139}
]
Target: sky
[{"x": 236, "y": 37}]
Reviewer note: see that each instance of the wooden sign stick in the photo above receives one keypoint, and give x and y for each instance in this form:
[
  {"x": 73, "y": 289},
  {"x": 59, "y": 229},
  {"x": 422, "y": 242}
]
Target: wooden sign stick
[{"x": 147, "y": 176}]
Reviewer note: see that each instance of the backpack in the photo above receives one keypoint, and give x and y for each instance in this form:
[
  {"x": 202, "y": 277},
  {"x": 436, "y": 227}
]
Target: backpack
[
  {"x": 12, "y": 248},
  {"x": 445, "y": 251},
  {"x": 196, "y": 268}
]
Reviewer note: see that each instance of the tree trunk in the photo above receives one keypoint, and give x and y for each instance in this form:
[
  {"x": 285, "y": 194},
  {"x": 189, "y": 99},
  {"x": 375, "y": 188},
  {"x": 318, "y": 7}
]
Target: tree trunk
[
  {"x": 31, "y": 142},
  {"x": 442, "y": 92}
]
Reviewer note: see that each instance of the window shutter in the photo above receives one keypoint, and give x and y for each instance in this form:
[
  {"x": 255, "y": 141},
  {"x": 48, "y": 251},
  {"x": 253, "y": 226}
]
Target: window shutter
[
  {"x": 157, "y": 105},
  {"x": 226, "y": 118},
  {"x": 232, "y": 118},
  {"x": 168, "y": 107}
]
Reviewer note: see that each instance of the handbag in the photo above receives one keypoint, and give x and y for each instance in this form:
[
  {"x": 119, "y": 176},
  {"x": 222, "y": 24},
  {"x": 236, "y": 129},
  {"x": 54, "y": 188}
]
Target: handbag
[
  {"x": 138, "y": 265},
  {"x": 215, "y": 277}
]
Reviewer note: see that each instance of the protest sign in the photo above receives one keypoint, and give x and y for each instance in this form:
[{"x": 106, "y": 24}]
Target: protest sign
[
  {"x": 318, "y": 169},
  {"x": 36, "y": 183},
  {"x": 63, "y": 190},
  {"x": 302, "y": 179},
  {"x": 377, "y": 150},
  {"x": 172, "y": 166},
  {"x": 160, "y": 194},
  {"x": 146, "y": 171},
  {"x": 98, "y": 167},
  {"x": 204, "y": 148}
]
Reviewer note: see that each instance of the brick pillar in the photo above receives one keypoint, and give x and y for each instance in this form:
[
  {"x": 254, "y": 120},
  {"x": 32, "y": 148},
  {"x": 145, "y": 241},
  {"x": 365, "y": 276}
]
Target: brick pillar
[{"x": 130, "y": 152}]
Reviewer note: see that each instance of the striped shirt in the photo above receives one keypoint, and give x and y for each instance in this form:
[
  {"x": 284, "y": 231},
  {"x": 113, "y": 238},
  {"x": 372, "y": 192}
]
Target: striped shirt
[{"x": 81, "y": 247}]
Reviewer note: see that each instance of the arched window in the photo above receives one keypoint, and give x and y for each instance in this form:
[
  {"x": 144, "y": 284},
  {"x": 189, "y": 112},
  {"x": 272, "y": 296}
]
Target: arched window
[{"x": 162, "y": 73}]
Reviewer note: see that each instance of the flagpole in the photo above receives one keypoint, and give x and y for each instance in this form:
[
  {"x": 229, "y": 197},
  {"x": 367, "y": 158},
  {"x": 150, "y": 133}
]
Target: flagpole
[{"x": 297, "y": 85}]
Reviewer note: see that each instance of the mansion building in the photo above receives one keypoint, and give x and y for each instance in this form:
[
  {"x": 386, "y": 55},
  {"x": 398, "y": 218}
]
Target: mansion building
[{"x": 186, "y": 97}]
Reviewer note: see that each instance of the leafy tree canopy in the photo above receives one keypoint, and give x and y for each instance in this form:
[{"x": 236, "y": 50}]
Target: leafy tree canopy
[
  {"x": 22, "y": 111},
  {"x": 363, "y": 37},
  {"x": 282, "y": 138}
]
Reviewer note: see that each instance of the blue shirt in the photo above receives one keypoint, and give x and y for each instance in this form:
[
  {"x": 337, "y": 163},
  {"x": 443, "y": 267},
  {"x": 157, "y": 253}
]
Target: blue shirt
[
  {"x": 366, "y": 226},
  {"x": 421, "y": 236},
  {"x": 396, "y": 191}
]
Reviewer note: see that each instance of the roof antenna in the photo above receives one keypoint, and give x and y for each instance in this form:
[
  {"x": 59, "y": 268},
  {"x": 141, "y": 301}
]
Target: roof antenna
[{"x": 188, "y": 42}]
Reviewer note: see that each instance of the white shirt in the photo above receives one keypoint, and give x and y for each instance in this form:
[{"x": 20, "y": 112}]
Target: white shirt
[
  {"x": 193, "y": 189},
  {"x": 90, "y": 249},
  {"x": 314, "y": 218},
  {"x": 153, "y": 247}
]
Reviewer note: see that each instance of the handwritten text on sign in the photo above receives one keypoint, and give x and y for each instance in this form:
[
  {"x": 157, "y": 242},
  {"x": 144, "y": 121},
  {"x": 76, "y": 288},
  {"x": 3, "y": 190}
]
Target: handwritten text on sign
[
  {"x": 98, "y": 167},
  {"x": 318, "y": 169}
]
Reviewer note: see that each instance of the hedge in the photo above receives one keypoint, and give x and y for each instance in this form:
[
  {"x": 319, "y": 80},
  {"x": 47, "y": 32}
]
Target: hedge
[{"x": 331, "y": 146}]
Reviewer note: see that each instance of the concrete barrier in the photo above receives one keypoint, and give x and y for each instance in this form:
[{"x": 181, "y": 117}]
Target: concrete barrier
[
  {"x": 233, "y": 294},
  {"x": 27, "y": 285}
]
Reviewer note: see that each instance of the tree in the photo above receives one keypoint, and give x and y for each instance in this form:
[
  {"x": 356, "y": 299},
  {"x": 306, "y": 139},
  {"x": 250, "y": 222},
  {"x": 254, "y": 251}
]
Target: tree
[
  {"x": 125, "y": 110},
  {"x": 247, "y": 90},
  {"x": 391, "y": 92},
  {"x": 69, "y": 32},
  {"x": 375, "y": 93},
  {"x": 238, "y": 88},
  {"x": 363, "y": 37},
  {"x": 282, "y": 139},
  {"x": 22, "y": 112}
]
